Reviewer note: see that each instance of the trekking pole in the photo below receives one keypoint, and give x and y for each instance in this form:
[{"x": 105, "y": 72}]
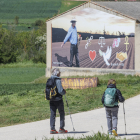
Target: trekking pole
[
  {"x": 69, "y": 113},
  {"x": 124, "y": 118}
]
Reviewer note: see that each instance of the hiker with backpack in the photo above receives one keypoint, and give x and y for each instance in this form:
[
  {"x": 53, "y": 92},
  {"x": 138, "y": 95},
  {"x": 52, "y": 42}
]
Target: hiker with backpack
[
  {"x": 110, "y": 100},
  {"x": 54, "y": 93}
]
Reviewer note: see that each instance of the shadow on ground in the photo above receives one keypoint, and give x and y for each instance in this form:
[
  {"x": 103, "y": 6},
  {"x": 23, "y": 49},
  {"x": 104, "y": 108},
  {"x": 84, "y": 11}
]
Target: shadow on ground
[
  {"x": 62, "y": 59},
  {"x": 129, "y": 134},
  {"x": 74, "y": 132}
]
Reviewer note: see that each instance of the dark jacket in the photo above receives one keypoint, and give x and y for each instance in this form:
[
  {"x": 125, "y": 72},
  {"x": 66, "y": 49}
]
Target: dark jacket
[
  {"x": 119, "y": 96},
  {"x": 60, "y": 89}
]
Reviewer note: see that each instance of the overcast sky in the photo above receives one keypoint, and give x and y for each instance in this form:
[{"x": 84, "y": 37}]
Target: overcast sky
[{"x": 90, "y": 19}]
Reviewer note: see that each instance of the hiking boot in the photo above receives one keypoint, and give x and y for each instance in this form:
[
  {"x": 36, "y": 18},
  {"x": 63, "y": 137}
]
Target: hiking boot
[
  {"x": 114, "y": 132},
  {"x": 53, "y": 132},
  {"x": 63, "y": 131}
]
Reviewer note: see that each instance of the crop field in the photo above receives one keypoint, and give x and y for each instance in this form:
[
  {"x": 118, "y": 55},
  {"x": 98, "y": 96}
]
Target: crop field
[
  {"x": 29, "y": 11},
  {"x": 21, "y": 75},
  {"x": 20, "y": 27}
]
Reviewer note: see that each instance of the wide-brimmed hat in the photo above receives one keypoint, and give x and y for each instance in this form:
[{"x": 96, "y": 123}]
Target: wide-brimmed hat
[{"x": 73, "y": 20}]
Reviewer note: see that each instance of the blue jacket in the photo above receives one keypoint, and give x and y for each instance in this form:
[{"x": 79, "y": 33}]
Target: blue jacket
[
  {"x": 71, "y": 35},
  {"x": 59, "y": 87}
]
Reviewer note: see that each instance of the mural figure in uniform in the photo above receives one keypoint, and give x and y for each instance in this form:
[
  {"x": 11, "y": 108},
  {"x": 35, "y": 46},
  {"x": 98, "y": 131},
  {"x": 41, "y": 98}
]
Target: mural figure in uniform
[{"x": 73, "y": 38}]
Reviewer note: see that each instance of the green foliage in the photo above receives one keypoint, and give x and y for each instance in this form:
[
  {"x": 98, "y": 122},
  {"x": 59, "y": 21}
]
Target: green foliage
[
  {"x": 96, "y": 136},
  {"x": 39, "y": 22},
  {"x": 22, "y": 93},
  {"x": 8, "y": 49},
  {"x": 6, "y": 100},
  {"x": 21, "y": 46},
  {"x": 29, "y": 44}
]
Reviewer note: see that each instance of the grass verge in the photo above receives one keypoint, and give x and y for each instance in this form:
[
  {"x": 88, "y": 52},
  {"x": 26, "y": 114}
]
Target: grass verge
[
  {"x": 21, "y": 103},
  {"x": 97, "y": 136},
  {"x": 103, "y": 79}
]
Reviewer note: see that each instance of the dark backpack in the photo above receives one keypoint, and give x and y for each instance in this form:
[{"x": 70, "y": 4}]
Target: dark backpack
[{"x": 51, "y": 89}]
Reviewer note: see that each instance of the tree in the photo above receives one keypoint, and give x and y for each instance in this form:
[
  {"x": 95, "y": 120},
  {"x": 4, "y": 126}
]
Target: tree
[
  {"x": 39, "y": 22},
  {"x": 16, "y": 20}
]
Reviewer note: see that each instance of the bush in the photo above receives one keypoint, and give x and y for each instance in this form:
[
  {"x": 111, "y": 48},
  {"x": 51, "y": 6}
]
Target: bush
[
  {"x": 8, "y": 50},
  {"x": 39, "y": 22},
  {"x": 6, "y": 100},
  {"x": 22, "y": 93},
  {"x": 16, "y": 20},
  {"x": 22, "y": 46},
  {"x": 40, "y": 57}
]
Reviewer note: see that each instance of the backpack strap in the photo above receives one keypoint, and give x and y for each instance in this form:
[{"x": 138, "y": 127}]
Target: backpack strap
[{"x": 52, "y": 91}]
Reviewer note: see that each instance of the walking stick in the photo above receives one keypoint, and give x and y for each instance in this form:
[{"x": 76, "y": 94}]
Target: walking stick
[
  {"x": 69, "y": 113},
  {"x": 124, "y": 119}
]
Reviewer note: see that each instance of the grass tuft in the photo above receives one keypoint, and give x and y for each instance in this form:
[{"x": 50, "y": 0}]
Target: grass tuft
[{"x": 97, "y": 136}]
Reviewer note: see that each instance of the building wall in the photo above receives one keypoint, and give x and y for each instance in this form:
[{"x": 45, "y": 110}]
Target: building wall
[
  {"x": 137, "y": 48},
  {"x": 66, "y": 71}
]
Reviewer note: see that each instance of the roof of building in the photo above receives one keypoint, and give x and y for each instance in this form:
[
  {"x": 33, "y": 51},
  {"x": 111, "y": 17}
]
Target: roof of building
[{"x": 127, "y": 9}]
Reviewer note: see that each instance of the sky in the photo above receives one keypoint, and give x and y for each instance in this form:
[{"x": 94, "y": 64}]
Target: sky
[{"x": 92, "y": 20}]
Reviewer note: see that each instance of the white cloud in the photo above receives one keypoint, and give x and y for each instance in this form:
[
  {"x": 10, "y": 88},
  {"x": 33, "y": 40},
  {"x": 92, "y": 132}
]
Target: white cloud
[{"x": 92, "y": 19}]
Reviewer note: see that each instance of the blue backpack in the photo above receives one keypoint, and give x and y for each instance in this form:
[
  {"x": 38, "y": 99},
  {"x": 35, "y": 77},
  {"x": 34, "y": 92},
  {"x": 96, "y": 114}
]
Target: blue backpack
[{"x": 109, "y": 97}]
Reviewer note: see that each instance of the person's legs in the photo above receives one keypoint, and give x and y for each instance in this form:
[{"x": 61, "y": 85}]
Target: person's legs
[
  {"x": 53, "y": 114},
  {"x": 115, "y": 117},
  {"x": 71, "y": 54},
  {"x": 62, "y": 114},
  {"x": 109, "y": 120},
  {"x": 77, "y": 57}
]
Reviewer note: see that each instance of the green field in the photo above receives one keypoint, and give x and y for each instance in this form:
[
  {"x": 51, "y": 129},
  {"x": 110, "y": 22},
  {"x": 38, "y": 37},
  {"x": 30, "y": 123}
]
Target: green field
[
  {"x": 22, "y": 97},
  {"x": 11, "y": 74},
  {"x": 20, "y": 27},
  {"x": 29, "y": 11}
]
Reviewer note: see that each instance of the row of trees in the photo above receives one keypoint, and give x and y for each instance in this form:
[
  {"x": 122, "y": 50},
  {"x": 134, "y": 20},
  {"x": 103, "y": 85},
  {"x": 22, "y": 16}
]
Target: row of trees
[{"x": 21, "y": 46}]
